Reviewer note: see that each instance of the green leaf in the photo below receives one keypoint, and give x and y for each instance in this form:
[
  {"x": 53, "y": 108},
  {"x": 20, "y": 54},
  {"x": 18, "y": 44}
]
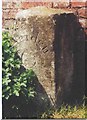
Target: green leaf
[
  {"x": 23, "y": 84},
  {"x": 31, "y": 95},
  {"x": 7, "y": 97},
  {"x": 6, "y": 81},
  {"x": 16, "y": 93},
  {"x": 6, "y": 89},
  {"x": 14, "y": 80}
]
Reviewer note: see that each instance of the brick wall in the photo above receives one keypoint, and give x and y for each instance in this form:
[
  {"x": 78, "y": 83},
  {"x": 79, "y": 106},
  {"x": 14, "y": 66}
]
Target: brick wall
[{"x": 11, "y": 7}]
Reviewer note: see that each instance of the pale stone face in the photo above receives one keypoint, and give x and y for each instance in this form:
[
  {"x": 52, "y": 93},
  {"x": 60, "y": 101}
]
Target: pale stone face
[{"x": 36, "y": 41}]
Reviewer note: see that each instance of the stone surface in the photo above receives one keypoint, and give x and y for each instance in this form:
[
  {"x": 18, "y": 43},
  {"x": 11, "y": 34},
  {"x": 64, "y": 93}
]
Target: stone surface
[{"x": 53, "y": 46}]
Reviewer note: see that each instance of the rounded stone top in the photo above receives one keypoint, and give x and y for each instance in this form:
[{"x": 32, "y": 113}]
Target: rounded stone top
[{"x": 40, "y": 11}]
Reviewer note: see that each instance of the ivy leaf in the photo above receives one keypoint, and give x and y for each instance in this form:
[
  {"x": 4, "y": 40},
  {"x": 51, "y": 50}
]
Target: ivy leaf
[
  {"x": 14, "y": 80},
  {"x": 16, "y": 92},
  {"x": 6, "y": 89},
  {"x": 23, "y": 84}
]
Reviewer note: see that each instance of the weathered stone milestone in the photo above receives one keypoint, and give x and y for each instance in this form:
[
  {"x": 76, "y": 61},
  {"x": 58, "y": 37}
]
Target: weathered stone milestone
[{"x": 51, "y": 42}]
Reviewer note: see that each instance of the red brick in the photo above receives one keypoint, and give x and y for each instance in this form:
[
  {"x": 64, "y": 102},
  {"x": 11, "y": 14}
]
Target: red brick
[
  {"x": 13, "y": 0},
  {"x": 60, "y": 4},
  {"x": 47, "y": 4},
  {"x": 26, "y": 5},
  {"x": 82, "y": 12},
  {"x": 78, "y": 4}
]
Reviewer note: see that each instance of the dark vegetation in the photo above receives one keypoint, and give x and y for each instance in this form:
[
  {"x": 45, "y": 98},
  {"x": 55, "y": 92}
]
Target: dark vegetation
[{"x": 18, "y": 89}]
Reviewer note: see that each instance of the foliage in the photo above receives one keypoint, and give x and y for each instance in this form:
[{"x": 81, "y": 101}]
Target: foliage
[
  {"x": 67, "y": 112},
  {"x": 16, "y": 80}
]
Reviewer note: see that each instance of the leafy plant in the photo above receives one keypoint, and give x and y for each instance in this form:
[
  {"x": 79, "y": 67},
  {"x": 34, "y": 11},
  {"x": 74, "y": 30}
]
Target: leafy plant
[{"x": 16, "y": 80}]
